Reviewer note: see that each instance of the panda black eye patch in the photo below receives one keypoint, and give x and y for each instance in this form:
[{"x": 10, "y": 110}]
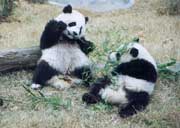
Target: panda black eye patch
[
  {"x": 72, "y": 24},
  {"x": 134, "y": 52}
]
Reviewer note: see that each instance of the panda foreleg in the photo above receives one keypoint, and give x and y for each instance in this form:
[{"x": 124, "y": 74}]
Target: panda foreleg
[
  {"x": 93, "y": 95},
  {"x": 84, "y": 73},
  {"x": 52, "y": 33},
  {"x": 86, "y": 46},
  {"x": 42, "y": 74}
]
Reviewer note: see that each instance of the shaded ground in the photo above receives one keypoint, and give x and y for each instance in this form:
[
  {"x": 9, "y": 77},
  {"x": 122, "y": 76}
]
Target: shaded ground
[{"x": 160, "y": 34}]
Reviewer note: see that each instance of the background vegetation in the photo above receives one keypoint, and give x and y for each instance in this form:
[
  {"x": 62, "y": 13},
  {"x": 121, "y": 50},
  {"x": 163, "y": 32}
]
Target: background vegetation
[
  {"x": 171, "y": 7},
  {"x": 6, "y": 7},
  {"x": 52, "y": 108}
]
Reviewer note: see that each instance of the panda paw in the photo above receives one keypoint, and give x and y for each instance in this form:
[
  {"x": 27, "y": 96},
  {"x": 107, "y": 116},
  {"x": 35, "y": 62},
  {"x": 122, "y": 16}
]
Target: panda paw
[
  {"x": 90, "y": 98},
  {"x": 91, "y": 47},
  {"x": 36, "y": 86},
  {"x": 56, "y": 26},
  {"x": 61, "y": 26},
  {"x": 86, "y": 46}
]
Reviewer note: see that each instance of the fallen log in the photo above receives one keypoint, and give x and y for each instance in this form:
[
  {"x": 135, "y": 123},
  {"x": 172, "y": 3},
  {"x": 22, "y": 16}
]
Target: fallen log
[{"x": 16, "y": 59}]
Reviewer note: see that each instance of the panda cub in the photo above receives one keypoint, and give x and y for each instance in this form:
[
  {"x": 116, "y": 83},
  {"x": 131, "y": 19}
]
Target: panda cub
[
  {"x": 64, "y": 51},
  {"x": 135, "y": 79}
]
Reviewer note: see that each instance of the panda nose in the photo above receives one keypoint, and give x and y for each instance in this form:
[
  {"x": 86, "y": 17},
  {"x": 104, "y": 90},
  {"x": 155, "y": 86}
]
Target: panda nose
[{"x": 75, "y": 33}]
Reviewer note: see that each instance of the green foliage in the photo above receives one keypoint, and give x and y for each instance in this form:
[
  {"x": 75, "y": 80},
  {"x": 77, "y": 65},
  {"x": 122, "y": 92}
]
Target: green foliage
[
  {"x": 154, "y": 123},
  {"x": 6, "y": 7},
  {"x": 173, "y": 6},
  {"x": 54, "y": 101},
  {"x": 163, "y": 68},
  {"x": 165, "y": 72},
  {"x": 101, "y": 106}
]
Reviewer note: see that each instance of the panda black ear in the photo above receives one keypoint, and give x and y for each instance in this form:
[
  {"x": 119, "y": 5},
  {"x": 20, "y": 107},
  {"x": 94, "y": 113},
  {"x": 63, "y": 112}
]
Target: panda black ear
[
  {"x": 136, "y": 39},
  {"x": 67, "y": 9},
  {"x": 86, "y": 19},
  {"x": 134, "y": 52}
]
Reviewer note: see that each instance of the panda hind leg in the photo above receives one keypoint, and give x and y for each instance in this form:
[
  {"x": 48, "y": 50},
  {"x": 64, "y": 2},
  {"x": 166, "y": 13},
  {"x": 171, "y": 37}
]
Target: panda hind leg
[
  {"x": 138, "y": 101},
  {"x": 59, "y": 82},
  {"x": 42, "y": 74}
]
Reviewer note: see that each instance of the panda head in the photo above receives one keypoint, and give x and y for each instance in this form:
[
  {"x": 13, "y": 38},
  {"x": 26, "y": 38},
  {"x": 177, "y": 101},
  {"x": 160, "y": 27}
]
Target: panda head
[
  {"x": 75, "y": 22},
  {"x": 134, "y": 51}
]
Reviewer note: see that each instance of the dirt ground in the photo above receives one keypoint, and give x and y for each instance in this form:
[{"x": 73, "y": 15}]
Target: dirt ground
[{"x": 160, "y": 34}]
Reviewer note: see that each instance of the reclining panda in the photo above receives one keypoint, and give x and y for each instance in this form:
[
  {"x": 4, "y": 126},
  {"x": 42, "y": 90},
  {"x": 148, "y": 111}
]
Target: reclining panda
[
  {"x": 64, "y": 50},
  {"x": 135, "y": 78}
]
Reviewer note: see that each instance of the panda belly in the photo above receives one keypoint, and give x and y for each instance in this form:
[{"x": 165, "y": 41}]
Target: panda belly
[
  {"x": 65, "y": 57},
  {"x": 135, "y": 84}
]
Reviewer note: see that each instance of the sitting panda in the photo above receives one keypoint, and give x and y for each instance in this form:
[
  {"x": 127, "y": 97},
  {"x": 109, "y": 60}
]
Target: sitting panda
[
  {"x": 134, "y": 77},
  {"x": 64, "y": 51}
]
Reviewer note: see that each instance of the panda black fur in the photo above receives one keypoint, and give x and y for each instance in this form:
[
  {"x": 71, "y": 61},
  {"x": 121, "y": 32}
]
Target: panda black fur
[
  {"x": 135, "y": 79},
  {"x": 64, "y": 50}
]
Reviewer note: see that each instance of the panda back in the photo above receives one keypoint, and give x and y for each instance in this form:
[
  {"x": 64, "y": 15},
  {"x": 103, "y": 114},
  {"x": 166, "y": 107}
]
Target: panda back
[{"x": 139, "y": 69}]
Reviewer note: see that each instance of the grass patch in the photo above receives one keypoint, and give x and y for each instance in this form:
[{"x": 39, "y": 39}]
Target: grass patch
[
  {"x": 40, "y": 98},
  {"x": 171, "y": 7},
  {"x": 159, "y": 34},
  {"x": 101, "y": 107}
]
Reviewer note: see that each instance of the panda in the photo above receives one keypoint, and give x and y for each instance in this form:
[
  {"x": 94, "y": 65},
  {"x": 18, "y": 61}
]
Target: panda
[
  {"x": 135, "y": 78},
  {"x": 64, "y": 51}
]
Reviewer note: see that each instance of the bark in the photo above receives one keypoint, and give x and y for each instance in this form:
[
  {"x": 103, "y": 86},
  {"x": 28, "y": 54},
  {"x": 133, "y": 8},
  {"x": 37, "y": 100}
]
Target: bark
[{"x": 16, "y": 59}]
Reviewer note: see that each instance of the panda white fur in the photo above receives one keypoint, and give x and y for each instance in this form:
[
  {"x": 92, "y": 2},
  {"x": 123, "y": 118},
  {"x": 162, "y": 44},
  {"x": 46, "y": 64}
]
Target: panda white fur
[
  {"x": 64, "y": 50},
  {"x": 135, "y": 79}
]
